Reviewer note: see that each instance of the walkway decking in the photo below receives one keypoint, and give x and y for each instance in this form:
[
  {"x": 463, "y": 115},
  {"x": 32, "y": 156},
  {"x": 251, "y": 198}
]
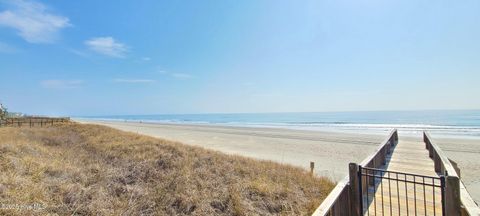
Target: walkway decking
[
  {"x": 401, "y": 177},
  {"x": 409, "y": 157}
]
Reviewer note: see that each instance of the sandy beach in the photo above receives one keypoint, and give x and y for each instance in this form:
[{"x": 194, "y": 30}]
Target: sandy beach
[{"x": 330, "y": 151}]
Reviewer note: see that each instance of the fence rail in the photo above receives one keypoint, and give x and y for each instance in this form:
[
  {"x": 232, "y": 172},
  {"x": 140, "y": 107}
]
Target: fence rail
[
  {"x": 459, "y": 200},
  {"x": 340, "y": 200},
  {"x": 32, "y": 121}
]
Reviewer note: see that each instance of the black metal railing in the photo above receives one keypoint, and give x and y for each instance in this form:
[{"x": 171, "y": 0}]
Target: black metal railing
[{"x": 397, "y": 193}]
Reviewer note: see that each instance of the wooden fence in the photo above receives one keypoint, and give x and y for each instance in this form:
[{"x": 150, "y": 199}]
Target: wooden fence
[
  {"x": 344, "y": 198},
  {"x": 32, "y": 121},
  {"x": 459, "y": 201}
]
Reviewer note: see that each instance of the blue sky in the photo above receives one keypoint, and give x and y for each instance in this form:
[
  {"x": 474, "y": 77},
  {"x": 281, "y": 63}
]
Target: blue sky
[{"x": 153, "y": 57}]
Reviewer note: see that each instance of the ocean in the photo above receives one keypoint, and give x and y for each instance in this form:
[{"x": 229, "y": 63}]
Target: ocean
[{"x": 451, "y": 123}]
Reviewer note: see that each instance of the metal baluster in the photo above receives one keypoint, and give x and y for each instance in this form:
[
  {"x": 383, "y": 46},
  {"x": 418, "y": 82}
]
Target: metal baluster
[
  {"x": 398, "y": 195},
  {"x": 381, "y": 183},
  {"x": 442, "y": 187},
  {"x": 434, "y": 203},
  {"x": 390, "y": 193},
  {"x": 415, "y": 195},
  {"x": 424, "y": 196},
  {"x": 374, "y": 194},
  {"x": 360, "y": 187},
  {"x": 406, "y": 192},
  {"x": 368, "y": 189}
]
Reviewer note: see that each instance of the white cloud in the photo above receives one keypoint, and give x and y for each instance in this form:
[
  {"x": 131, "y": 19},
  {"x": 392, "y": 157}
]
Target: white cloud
[
  {"x": 133, "y": 80},
  {"x": 79, "y": 52},
  {"x": 146, "y": 59},
  {"x": 174, "y": 75},
  {"x": 182, "y": 75},
  {"x": 107, "y": 46},
  {"x": 61, "y": 84},
  {"x": 33, "y": 21}
]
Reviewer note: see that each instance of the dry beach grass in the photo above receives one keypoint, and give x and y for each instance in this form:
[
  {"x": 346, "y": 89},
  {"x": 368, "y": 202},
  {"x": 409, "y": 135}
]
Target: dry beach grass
[{"x": 90, "y": 169}]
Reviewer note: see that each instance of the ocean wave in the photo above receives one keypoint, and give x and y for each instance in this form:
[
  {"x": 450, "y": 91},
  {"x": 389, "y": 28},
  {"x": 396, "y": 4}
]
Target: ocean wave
[{"x": 443, "y": 123}]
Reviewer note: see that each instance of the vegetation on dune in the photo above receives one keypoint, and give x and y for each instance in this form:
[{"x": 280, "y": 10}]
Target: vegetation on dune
[
  {"x": 96, "y": 170},
  {"x": 3, "y": 112}
]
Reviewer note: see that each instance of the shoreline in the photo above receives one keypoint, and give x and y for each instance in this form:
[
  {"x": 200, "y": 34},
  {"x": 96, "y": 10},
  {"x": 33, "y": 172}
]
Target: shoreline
[
  {"x": 331, "y": 151},
  {"x": 405, "y": 130}
]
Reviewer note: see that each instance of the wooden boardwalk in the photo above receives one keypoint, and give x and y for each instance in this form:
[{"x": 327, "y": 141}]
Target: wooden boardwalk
[
  {"x": 401, "y": 177},
  {"x": 400, "y": 198}
]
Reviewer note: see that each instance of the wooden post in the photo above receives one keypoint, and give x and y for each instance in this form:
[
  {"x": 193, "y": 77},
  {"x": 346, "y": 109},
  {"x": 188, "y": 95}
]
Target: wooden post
[
  {"x": 437, "y": 162},
  {"x": 395, "y": 137},
  {"x": 455, "y": 167},
  {"x": 385, "y": 153},
  {"x": 452, "y": 195},
  {"x": 312, "y": 166},
  {"x": 425, "y": 140},
  {"x": 354, "y": 190}
]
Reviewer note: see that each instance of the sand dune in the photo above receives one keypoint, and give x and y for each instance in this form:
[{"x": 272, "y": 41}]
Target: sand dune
[{"x": 331, "y": 152}]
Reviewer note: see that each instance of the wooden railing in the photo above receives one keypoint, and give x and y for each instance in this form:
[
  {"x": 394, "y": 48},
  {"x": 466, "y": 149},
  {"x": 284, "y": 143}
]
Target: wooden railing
[
  {"x": 32, "y": 121},
  {"x": 458, "y": 200},
  {"x": 379, "y": 157},
  {"x": 344, "y": 199}
]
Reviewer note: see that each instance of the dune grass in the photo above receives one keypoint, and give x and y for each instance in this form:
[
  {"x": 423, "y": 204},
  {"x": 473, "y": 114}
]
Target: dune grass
[{"x": 95, "y": 170}]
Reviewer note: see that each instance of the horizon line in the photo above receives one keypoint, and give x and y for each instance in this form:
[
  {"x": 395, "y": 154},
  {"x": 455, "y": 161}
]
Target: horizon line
[{"x": 287, "y": 112}]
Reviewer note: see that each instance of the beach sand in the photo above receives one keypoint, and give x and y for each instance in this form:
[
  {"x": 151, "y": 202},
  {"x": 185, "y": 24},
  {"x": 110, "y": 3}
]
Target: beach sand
[{"x": 331, "y": 151}]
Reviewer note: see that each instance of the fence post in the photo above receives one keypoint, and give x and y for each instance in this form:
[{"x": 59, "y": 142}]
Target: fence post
[
  {"x": 312, "y": 166},
  {"x": 452, "y": 195},
  {"x": 354, "y": 190},
  {"x": 437, "y": 162},
  {"x": 385, "y": 153},
  {"x": 396, "y": 137}
]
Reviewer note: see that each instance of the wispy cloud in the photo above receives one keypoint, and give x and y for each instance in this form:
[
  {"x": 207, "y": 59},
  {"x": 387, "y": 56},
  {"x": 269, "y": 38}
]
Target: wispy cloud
[
  {"x": 182, "y": 75},
  {"x": 79, "y": 52},
  {"x": 162, "y": 72},
  {"x": 33, "y": 21},
  {"x": 173, "y": 74},
  {"x": 134, "y": 80},
  {"x": 107, "y": 46},
  {"x": 61, "y": 84}
]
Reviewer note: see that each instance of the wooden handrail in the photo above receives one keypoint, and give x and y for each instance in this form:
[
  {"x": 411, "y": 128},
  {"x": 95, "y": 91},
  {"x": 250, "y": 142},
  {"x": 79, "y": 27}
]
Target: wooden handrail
[
  {"x": 381, "y": 152},
  {"x": 441, "y": 161},
  {"x": 333, "y": 204},
  {"x": 340, "y": 201},
  {"x": 458, "y": 200}
]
